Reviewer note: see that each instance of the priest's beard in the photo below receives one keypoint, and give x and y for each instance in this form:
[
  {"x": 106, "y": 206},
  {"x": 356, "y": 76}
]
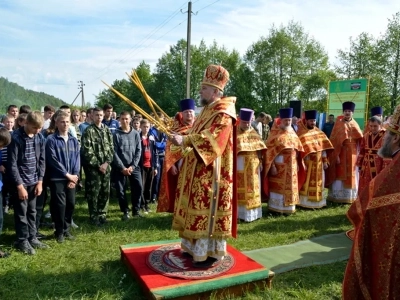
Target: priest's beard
[
  {"x": 203, "y": 102},
  {"x": 386, "y": 151}
]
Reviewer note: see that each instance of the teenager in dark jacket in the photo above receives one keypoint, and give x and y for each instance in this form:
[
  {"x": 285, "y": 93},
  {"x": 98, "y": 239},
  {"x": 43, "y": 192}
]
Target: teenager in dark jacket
[
  {"x": 26, "y": 161},
  {"x": 126, "y": 163},
  {"x": 63, "y": 163}
]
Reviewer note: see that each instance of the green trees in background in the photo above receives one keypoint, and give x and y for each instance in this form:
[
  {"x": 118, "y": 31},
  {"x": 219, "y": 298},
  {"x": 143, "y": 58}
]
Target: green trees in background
[{"x": 285, "y": 64}]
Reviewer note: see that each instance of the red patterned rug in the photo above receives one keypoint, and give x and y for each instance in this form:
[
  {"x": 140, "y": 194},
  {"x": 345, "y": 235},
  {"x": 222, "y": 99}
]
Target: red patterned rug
[
  {"x": 233, "y": 276},
  {"x": 169, "y": 261}
]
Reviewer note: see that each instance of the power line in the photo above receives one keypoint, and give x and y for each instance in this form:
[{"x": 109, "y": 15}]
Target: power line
[
  {"x": 207, "y": 6},
  {"x": 128, "y": 52}
]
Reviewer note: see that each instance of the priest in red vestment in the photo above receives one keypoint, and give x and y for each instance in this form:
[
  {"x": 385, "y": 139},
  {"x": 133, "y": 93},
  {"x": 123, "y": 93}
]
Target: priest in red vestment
[
  {"x": 369, "y": 162},
  {"x": 283, "y": 165},
  {"x": 173, "y": 158},
  {"x": 204, "y": 198},
  {"x": 342, "y": 174},
  {"x": 373, "y": 269},
  {"x": 316, "y": 146},
  {"x": 250, "y": 150}
]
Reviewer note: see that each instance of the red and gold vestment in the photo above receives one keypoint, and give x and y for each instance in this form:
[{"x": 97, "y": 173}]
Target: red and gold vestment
[
  {"x": 346, "y": 137},
  {"x": 368, "y": 160},
  {"x": 283, "y": 147},
  {"x": 373, "y": 269},
  {"x": 249, "y": 144},
  {"x": 203, "y": 207},
  {"x": 166, "y": 198},
  {"x": 316, "y": 147}
]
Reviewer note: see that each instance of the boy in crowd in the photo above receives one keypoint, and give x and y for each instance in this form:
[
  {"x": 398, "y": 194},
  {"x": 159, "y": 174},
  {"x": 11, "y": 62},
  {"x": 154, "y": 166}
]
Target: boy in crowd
[
  {"x": 8, "y": 122},
  {"x": 12, "y": 110},
  {"x": 26, "y": 161},
  {"x": 111, "y": 123},
  {"x": 5, "y": 139},
  {"x": 149, "y": 163},
  {"x": 98, "y": 152},
  {"x": 64, "y": 169},
  {"x": 136, "y": 124},
  {"x": 127, "y": 154},
  {"x": 48, "y": 113}
]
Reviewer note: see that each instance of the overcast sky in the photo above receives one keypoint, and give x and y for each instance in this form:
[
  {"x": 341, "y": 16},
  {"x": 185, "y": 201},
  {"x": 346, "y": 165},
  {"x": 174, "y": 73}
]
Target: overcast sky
[{"x": 49, "y": 45}]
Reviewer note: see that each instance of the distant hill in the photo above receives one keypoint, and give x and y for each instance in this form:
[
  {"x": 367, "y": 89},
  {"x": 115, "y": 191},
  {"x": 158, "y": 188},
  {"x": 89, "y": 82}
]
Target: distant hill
[{"x": 12, "y": 93}]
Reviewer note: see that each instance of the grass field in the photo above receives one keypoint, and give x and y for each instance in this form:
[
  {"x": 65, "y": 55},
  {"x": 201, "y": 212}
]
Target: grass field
[{"x": 90, "y": 267}]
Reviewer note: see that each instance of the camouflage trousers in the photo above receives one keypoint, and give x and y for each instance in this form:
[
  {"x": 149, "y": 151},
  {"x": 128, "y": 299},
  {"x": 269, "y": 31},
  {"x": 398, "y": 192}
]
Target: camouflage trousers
[{"x": 97, "y": 190}]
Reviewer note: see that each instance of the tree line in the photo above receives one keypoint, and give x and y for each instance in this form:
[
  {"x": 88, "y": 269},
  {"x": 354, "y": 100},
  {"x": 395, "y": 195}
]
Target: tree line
[
  {"x": 12, "y": 93},
  {"x": 286, "y": 64}
]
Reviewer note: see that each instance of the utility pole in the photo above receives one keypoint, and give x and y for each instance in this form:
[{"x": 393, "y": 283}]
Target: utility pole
[
  {"x": 189, "y": 25},
  {"x": 80, "y": 88},
  {"x": 81, "y": 85}
]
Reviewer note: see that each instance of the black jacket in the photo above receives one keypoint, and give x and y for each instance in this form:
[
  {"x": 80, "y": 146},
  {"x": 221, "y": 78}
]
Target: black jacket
[{"x": 16, "y": 153}]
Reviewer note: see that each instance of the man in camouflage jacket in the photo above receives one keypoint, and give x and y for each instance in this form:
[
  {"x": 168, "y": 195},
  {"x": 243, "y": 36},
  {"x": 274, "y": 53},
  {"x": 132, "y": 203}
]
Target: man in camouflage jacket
[{"x": 98, "y": 151}]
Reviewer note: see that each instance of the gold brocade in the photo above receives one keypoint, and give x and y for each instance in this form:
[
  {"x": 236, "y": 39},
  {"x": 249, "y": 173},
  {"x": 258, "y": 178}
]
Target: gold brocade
[
  {"x": 249, "y": 141},
  {"x": 203, "y": 207},
  {"x": 249, "y": 144},
  {"x": 284, "y": 143},
  {"x": 314, "y": 141},
  {"x": 368, "y": 160}
]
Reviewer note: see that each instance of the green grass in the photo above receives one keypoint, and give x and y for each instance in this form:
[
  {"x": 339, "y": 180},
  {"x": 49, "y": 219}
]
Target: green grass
[{"x": 90, "y": 267}]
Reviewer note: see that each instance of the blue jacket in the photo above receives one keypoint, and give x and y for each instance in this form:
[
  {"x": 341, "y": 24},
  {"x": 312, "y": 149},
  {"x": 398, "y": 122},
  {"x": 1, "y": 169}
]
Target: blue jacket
[
  {"x": 160, "y": 140},
  {"x": 62, "y": 158},
  {"x": 16, "y": 154}
]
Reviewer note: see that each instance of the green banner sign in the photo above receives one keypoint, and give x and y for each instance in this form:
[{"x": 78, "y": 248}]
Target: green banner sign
[{"x": 348, "y": 90}]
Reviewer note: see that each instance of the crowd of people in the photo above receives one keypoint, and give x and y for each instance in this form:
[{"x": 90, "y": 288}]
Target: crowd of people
[{"x": 209, "y": 170}]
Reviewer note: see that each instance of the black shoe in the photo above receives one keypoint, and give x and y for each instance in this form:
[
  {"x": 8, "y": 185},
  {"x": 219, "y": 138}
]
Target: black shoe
[
  {"x": 69, "y": 236},
  {"x": 95, "y": 221},
  {"x": 40, "y": 236},
  {"x": 35, "y": 243},
  {"x": 25, "y": 247},
  {"x": 60, "y": 238},
  {"x": 126, "y": 216},
  {"x": 102, "y": 219},
  {"x": 205, "y": 264},
  {"x": 186, "y": 254}
]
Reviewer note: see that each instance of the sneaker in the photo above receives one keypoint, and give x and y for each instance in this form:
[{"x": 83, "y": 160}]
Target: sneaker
[
  {"x": 69, "y": 236},
  {"x": 25, "y": 247},
  {"x": 126, "y": 216},
  {"x": 48, "y": 215},
  {"x": 73, "y": 225},
  {"x": 60, "y": 238},
  {"x": 35, "y": 243},
  {"x": 6, "y": 209}
]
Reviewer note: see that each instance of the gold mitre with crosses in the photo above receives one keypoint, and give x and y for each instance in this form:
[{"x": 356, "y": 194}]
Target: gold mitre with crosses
[
  {"x": 394, "y": 123},
  {"x": 216, "y": 76}
]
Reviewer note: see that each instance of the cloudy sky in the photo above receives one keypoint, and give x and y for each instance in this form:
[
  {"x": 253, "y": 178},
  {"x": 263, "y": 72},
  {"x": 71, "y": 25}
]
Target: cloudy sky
[{"x": 49, "y": 45}]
